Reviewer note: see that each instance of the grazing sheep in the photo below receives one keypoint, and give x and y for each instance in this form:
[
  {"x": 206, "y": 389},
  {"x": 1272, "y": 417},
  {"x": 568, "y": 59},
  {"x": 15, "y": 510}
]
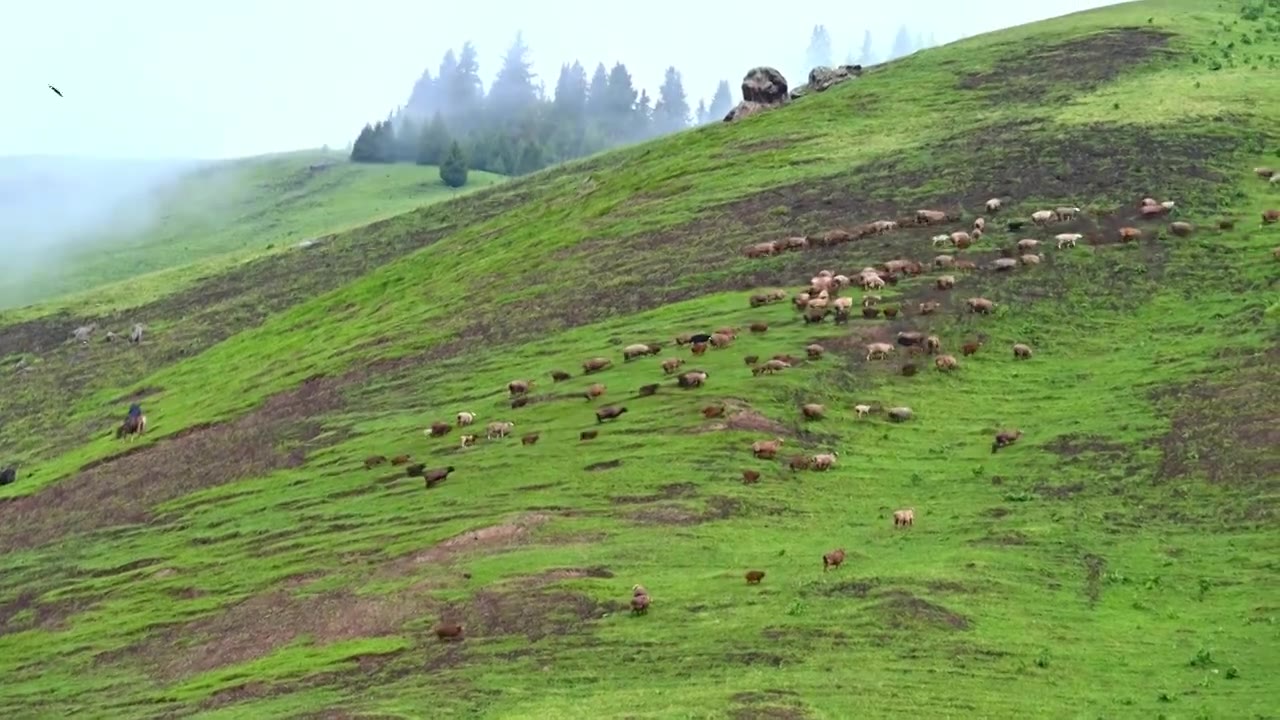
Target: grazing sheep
[
  {"x": 530, "y": 438},
  {"x": 1030, "y": 259},
  {"x": 1064, "y": 240},
  {"x": 519, "y": 402},
  {"x": 449, "y": 632},
  {"x": 928, "y": 217},
  {"x": 436, "y": 476},
  {"x": 499, "y": 430},
  {"x": 415, "y": 470},
  {"x": 1005, "y": 438},
  {"x": 813, "y": 411},
  {"x": 595, "y": 391},
  {"x": 1275, "y": 180},
  {"x": 588, "y": 435},
  {"x": 980, "y": 305},
  {"x": 438, "y": 429},
  {"x": 1181, "y": 229},
  {"x": 639, "y": 601},
  {"x": 971, "y": 347},
  {"x": 908, "y": 338},
  {"x": 799, "y": 462},
  {"x": 698, "y": 348},
  {"x": 1270, "y": 217},
  {"x": 994, "y": 205},
  {"x": 466, "y": 418},
  {"x": 943, "y": 261},
  {"x": 400, "y": 459},
  {"x": 720, "y": 341},
  {"x": 823, "y": 461},
  {"x": 945, "y": 282},
  {"x": 980, "y": 224},
  {"x": 1129, "y": 233},
  {"x": 1004, "y": 264},
  {"x": 946, "y": 362},
  {"x": 1015, "y": 225},
  {"x": 932, "y": 344},
  {"x": 766, "y": 449},
  {"x": 903, "y": 518},
  {"x": 929, "y": 307},
  {"x": 878, "y": 350},
  {"x": 1041, "y": 217},
  {"x": 373, "y": 461},
  {"x": 469, "y": 440},
  {"x": 1168, "y": 204},
  {"x": 842, "y": 304},
  {"x": 959, "y": 237},
  {"x": 759, "y": 327},
  {"x": 964, "y": 265},
  {"x": 8, "y": 475},
  {"x": 647, "y": 390},
  {"x": 833, "y": 559},
  {"x": 763, "y": 249},
  {"x": 814, "y": 351},
  {"x": 671, "y": 364},
  {"x": 609, "y": 412},
  {"x": 1029, "y": 244},
  {"x": 872, "y": 282},
  {"x": 713, "y": 411},
  {"x": 692, "y": 379},
  {"x": 940, "y": 240},
  {"x": 135, "y": 335},
  {"x": 559, "y": 376},
  {"x": 754, "y": 577},
  {"x": 1066, "y": 213},
  {"x": 899, "y": 414},
  {"x": 750, "y": 477},
  {"x": 1265, "y": 172},
  {"x": 891, "y": 312},
  {"x": 870, "y": 313},
  {"x": 519, "y": 387},
  {"x": 595, "y": 364},
  {"x": 1021, "y": 351},
  {"x": 1152, "y": 211},
  {"x": 632, "y": 352}
]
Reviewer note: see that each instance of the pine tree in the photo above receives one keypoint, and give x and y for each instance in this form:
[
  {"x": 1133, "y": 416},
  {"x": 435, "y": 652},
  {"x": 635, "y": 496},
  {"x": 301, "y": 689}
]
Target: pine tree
[
  {"x": 463, "y": 88},
  {"x": 671, "y": 114},
  {"x": 513, "y": 89},
  {"x": 642, "y": 117},
  {"x": 700, "y": 115},
  {"x": 598, "y": 94},
  {"x": 868, "y": 56},
  {"x": 819, "y": 52},
  {"x": 901, "y": 44},
  {"x": 571, "y": 92},
  {"x": 453, "y": 171},
  {"x": 408, "y": 131},
  {"x": 422, "y": 100},
  {"x": 621, "y": 103},
  {"x": 364, "y": 149},
  {"x": 433, "y": 142},
  {"x": 721, "y": 102}
]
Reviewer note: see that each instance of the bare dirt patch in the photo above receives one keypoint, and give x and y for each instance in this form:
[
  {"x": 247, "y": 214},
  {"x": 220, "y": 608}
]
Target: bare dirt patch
[
  {"x": 28, "y": 612},
  {"x": 534, "y": 615},
  {"x": 1062, "y": 70},
  {"x": 666, "y": 492},
  {"x": 768, "y": 704},
  {"x": 718, "y": 507},
  {"x": 900, "y": 610},
  {"x": 1059, "y": 492},
  {"x": 123, "y": 491},
  {"x": 489, "y": 538}
]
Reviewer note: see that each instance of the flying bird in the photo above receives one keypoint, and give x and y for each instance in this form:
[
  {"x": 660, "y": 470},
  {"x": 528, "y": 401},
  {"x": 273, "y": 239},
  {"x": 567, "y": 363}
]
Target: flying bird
[{"x": 56, "y": 90}]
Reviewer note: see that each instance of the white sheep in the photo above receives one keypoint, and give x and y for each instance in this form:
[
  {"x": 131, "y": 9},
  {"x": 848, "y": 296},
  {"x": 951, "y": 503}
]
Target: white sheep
[
  {"x": 466, "y": 418},
  {"x": 1275, "y": 180},
  {"x": 872, "y": 282},
  {"x": 862, "y": 410},
  {"x": 499, "y": 429},
  {"x": 994, "y": 204},
  {"x": 843, "y": 304},
  {"x": 1030, "y": 259},
  {"x": 1167, "y": 204},
  {"x": 1041, "y": 217},
  {"x": 940, "y": 240},
  {"x": 943, "y": 261},
  {"x": 1068, "y": 239},
  {"x": 1027, "y": 244},
  {"x": 980, "y": 224},
  {"x": 960, "y": 236},
  {"x": 823, "y": 461},
  {"x": 1066, "y": 213},
  {"x": 878, "y": 350}
]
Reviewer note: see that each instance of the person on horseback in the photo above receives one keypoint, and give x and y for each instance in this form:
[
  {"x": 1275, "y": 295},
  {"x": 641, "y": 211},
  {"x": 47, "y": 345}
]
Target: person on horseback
[
  {"x": 135, "y": 411},
  {"x": 132, "y": 422}
]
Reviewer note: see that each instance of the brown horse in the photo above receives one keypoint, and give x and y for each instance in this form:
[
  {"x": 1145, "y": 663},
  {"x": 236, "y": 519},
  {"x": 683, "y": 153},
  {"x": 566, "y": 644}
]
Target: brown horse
[{"x": 132, "y": 427}]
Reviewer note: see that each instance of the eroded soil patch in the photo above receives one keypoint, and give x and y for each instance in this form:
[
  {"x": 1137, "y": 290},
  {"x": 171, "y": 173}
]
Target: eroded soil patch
[
  {"x": 900, "y": 609},
  {"x": 718, "y": 507}
]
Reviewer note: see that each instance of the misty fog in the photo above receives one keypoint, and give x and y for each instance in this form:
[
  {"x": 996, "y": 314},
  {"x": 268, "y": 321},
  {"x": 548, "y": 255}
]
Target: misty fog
[{"x": 146, "y": 82}]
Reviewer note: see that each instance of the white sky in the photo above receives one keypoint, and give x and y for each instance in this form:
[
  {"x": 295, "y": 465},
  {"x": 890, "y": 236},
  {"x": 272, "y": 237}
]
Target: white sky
[{"x": 145, "y": 78}]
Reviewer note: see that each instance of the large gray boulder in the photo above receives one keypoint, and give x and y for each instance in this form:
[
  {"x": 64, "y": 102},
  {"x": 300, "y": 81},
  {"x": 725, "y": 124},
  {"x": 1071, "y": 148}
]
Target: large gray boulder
[
  {"x": 763, "y": 88},
  {"x": 821, "y": 78}
]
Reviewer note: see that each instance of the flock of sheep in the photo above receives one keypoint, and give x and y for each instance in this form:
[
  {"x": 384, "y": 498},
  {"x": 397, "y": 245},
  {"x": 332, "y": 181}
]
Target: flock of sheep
[{"x": 820, "y": 299}]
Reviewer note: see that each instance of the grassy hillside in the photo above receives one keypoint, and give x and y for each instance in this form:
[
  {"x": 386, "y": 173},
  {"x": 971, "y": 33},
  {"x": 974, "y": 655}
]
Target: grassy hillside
[
  {"x": 1118, "y": 561},
  {"x": 222, "y": 213}
]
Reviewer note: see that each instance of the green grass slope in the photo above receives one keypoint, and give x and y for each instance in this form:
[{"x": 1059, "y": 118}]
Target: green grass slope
[
  {"x": 226, "y": 212},
  {"x": 1118, "y": 561}
]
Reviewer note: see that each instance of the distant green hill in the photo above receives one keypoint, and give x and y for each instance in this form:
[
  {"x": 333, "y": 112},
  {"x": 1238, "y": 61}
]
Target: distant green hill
[
  {"x": 171, "y": 215},
  {"x": 250, "y": 557}
]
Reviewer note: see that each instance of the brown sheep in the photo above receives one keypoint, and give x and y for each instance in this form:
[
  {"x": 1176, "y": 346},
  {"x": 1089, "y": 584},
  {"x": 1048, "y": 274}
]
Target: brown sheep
[
  {"x": 813, "y": 411},
  {"x": 946, "y": 362},
  {"x": 932, "y": 344},
  {"x": 732, "y": 332},
  {"x": 891, "y": 312},
  {"x": 559, "y": 376},
  {"x": 964, "y": 265},
  {"x": 720, "y": 341},
  {"x": 814, "y": 351},
  {"x": 671, "y": 364},
  {"x": 759, "y": 327},
  {"x": 980, "y": 305},
  {"x": 908, "y": 338},
  {"x": 530, "y": 438},
  {"x": 595, "y": 365},
  {"x": 519, "y": 402},
  {"x": 400, "y": 459},
  {"x": 1004, "y": 438},
  {"x": 593, "y": 392},
  {"x": 909, "y": 369},
  {"x": 439, "y": 429},
  {"x": 799, "y": 462},
  {"x": 929, "y": 307},
  {"x": 786, "y": 358},
  {"x": 519, "y": 387},
  {"x": 698, "y": 348},
  {"x": 751, "y": 359},
  {"x": 945, "y": 282},
  {"x": 373, "y": 461},
  {"x": 754, "y": 577},
  {"x": 1129, "y": 233},
  {"x": 448, "y": 632},
  {"x": 1151, "y": 211},
  {"x": 588, "y": 435},
  {"x": 833, "y": 559},
  {"x": 769, "y": 367},
  {"x": 648, "y": 390},
  {"x": 813, "y": 315},
  {"x": 903, "y": 518},
  {"x": 870, "y": 313},
  {"x": 971, "y": 347},
  {"x": 1270, "y": 217},
  {"x": 639, "y": 601},
  {"x": 436, "y": 476},
  {"x": 763, "y": 249},
  {"x": 469, "y": 440},
  {"x": 684, "y": 339},
  {"x": 609, "y": 412},
  {"x": 929, "y": 217},
  {"x": 1021, "y": 351},
  {"x": 713, "y": 411},
  {"x": 692, "y": 379},
  {"x": 1181, "y": 229},
  {"x": 750, "y": 477},
  {"x": 766, "y": 449},
  {"x": 758, "y": 300}
]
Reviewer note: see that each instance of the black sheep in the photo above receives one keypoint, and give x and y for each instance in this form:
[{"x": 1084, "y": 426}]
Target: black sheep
[{"x": 8, "y": 475}]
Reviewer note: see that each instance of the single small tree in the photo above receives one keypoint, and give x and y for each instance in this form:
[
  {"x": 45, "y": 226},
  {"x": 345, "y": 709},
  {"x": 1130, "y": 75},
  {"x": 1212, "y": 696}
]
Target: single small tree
[{"x": 453, "y": 171}]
